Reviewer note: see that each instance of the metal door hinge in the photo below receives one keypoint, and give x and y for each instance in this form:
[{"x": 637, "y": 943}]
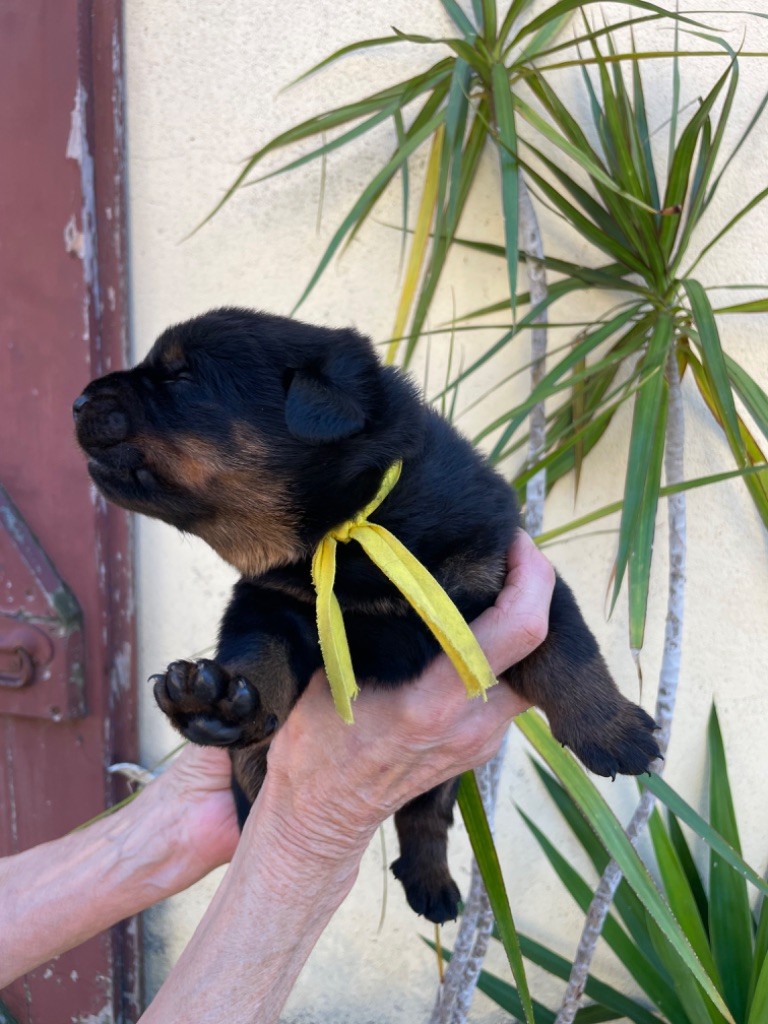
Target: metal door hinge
[{"x": 41, "y": 627}]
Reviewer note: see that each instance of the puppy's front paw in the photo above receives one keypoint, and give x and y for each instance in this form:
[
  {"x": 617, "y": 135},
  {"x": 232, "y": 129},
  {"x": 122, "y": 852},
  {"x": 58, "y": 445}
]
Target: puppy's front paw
[
  {"x": 429, "y": 889},
  {"x": 211, "y": 706},
  {"x": 610, "y": 741}
]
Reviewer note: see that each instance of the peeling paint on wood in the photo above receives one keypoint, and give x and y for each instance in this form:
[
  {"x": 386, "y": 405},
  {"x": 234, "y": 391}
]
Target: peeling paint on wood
[
  {"x": 78, "y": 150},
  {"x": 104, "y": 1016}
]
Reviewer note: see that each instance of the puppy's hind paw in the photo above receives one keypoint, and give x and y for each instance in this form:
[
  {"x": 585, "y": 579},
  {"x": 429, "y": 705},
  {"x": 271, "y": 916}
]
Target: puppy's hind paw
[
  {"x": 620, "y": 742},
  {"x": 434, "y": 894}
]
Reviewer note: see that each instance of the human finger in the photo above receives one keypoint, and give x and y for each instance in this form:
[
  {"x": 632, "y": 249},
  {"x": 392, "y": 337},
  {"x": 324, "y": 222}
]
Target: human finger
[{"x": 518, "y": 621}]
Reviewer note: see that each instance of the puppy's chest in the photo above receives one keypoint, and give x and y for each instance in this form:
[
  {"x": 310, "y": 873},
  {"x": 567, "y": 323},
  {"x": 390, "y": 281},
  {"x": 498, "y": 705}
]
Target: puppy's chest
[{"x": 362, "y": 588}]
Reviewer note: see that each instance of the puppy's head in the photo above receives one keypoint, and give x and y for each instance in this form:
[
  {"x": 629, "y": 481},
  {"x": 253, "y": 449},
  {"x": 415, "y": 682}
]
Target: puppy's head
[{"x": 255, "y": 432}]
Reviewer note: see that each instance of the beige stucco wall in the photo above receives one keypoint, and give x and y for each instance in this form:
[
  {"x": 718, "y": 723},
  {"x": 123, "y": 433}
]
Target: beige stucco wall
[{"x": 202, "y": 92}]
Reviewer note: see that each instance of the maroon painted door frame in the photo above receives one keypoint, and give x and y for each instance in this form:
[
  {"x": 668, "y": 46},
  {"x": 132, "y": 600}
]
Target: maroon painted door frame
[{"x": 63, "y": 319}]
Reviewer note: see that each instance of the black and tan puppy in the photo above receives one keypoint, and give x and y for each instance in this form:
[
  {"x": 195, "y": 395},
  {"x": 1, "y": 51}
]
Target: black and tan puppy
[{"x": 259, "y": 434}]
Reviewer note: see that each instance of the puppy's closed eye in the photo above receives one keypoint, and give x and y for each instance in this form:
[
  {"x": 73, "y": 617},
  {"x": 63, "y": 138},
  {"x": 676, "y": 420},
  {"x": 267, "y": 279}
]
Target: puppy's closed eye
[{"x": 179, "y": 377}]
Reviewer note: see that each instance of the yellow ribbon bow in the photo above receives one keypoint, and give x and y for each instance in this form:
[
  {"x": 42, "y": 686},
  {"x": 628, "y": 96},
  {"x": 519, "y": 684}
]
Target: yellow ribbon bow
[{"x": 415, "y": 583}]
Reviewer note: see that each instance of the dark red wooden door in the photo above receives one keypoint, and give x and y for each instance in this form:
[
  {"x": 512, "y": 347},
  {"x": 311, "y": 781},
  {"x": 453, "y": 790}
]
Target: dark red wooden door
[{"x": 62, "y": 321}]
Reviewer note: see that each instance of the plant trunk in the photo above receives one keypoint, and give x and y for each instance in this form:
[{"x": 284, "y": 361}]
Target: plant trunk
[
  {"x": 665, "y": 701},
  {"x": 455, "y": 994}
]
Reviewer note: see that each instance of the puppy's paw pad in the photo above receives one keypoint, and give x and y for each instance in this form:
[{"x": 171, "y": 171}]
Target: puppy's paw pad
[
  {"x": 620, "y": 744},
  {"x": 209, "y": 705},
  {"x": 433, "y": 894}
]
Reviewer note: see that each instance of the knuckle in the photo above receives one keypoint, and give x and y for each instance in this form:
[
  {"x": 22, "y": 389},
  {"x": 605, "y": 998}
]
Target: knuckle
[{"x": 533, "y": 628}]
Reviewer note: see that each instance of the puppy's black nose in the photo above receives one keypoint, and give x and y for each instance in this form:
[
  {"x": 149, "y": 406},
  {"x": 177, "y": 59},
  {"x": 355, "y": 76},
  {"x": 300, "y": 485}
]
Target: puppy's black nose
[{"x": 80, "y": 402}]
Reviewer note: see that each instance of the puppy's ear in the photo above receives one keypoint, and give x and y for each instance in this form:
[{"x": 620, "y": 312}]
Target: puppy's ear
[
  {"x": 335, "y": 390},
  {"x": 319, "y": 412}
]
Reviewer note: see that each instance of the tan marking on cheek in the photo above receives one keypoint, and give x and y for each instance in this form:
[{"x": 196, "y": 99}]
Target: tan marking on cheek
[
  {"x": 185, "y": 461},
  {"x": 252, "y": 526}
]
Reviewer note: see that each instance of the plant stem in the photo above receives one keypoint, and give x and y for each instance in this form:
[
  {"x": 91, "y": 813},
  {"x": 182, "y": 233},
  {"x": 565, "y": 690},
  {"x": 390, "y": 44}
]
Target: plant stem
[
  {"x": 665, "y": 702},
  {"x": 455, "y": 994},
  {"x": 531, "y": 244}
]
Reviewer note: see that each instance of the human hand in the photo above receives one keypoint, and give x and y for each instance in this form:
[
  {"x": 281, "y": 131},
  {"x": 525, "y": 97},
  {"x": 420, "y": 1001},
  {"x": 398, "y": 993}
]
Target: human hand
[
  {"x": 331, "y": 784},
  {"x": 197, "y": 785}
]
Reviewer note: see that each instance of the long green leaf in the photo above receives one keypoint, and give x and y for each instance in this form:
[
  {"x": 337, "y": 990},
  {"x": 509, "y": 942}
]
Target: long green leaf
[
  {"x": 455, "y": 125},
  {"x": 697, "y": 201},
  {"x": 757, "y": 483},
  {"x": 565, "y": 6},
  {"x": 747, "y": 208},
  {"x": 380, "y": 179},
  {"x": 750, "y": 392},
  {"x": 514, "y": 11},
  {"x": 679, "y": 893},
  {"x": 542, "y": 390},
  {"x": 641, "y": 551},
  {"x": 363, "y": 44},
  {"x": 758, "y": 1012},
  {"x": 698, "y": 1010},
  {"x": 536, "y": 45},
  {"x": 759, "y": 966},
  {"x": 483, "y": 847},
  {"x": 650, "y": 405},
  {"x": 459, "y": 18},
  {"x": 756, "y": 306},
  {"x": 405, "y": 91},
  {"x": 615, "y": 506},
  {"x": 329, "y": 147},
  {"x": 627, "y": 904},
  {"x": 714, "y": 364},
  {"x": 678, "y": 178},
  {"x": 470, "y": 158},
  {"x": 489, "y": 22},
  {"x": 644, "y": 131},
  {"x": 601, "y": 992},
  {"x": 641, "y": 967},
  {"x": 575, "y": 153},
  {"x": 730, "y": 920},
  {"x": 612, "y": 835},
  {"x": 505, "y": 122},
  {"x": 397, "y": 118},
  {"x": 689, "y": 865}
]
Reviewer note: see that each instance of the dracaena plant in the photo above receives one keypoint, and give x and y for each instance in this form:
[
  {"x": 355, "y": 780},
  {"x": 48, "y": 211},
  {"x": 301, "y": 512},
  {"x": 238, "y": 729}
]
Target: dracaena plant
[
  {"x": 661, "y": 327},
  {"x": 491, "y": 90},
  {"x": 644, "y": 224},
  {"x": 730, "y": 940}
]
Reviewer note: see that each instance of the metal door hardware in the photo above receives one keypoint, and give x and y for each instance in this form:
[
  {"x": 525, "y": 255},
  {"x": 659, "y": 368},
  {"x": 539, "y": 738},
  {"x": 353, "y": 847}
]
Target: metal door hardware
[{"x": 41, "y": 634}]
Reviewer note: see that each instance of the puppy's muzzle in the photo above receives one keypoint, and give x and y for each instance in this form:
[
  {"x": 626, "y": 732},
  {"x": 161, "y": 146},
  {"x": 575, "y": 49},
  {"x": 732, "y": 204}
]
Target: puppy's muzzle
[{"x": 100, "y": 421}]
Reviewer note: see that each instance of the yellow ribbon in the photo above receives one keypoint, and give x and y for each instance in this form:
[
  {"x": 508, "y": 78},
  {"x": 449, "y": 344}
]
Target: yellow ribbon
[{"x": 415, "y": 583}]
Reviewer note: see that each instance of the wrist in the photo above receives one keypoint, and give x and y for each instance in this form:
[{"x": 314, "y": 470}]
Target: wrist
[
  {"x": 143, "y": 860},
  {"x": 311, "y": 852}
]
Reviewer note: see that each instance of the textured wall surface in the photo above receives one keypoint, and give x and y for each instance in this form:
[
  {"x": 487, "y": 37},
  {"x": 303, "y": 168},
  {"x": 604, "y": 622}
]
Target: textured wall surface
[{"x": 203, "y": 92}]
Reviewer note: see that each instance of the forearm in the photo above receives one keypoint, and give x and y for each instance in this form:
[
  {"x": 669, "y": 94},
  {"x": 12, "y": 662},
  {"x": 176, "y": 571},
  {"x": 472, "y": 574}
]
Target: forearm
[
  {"x": 57, "y": 895},
  {"x": 281, "y": 890}
]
